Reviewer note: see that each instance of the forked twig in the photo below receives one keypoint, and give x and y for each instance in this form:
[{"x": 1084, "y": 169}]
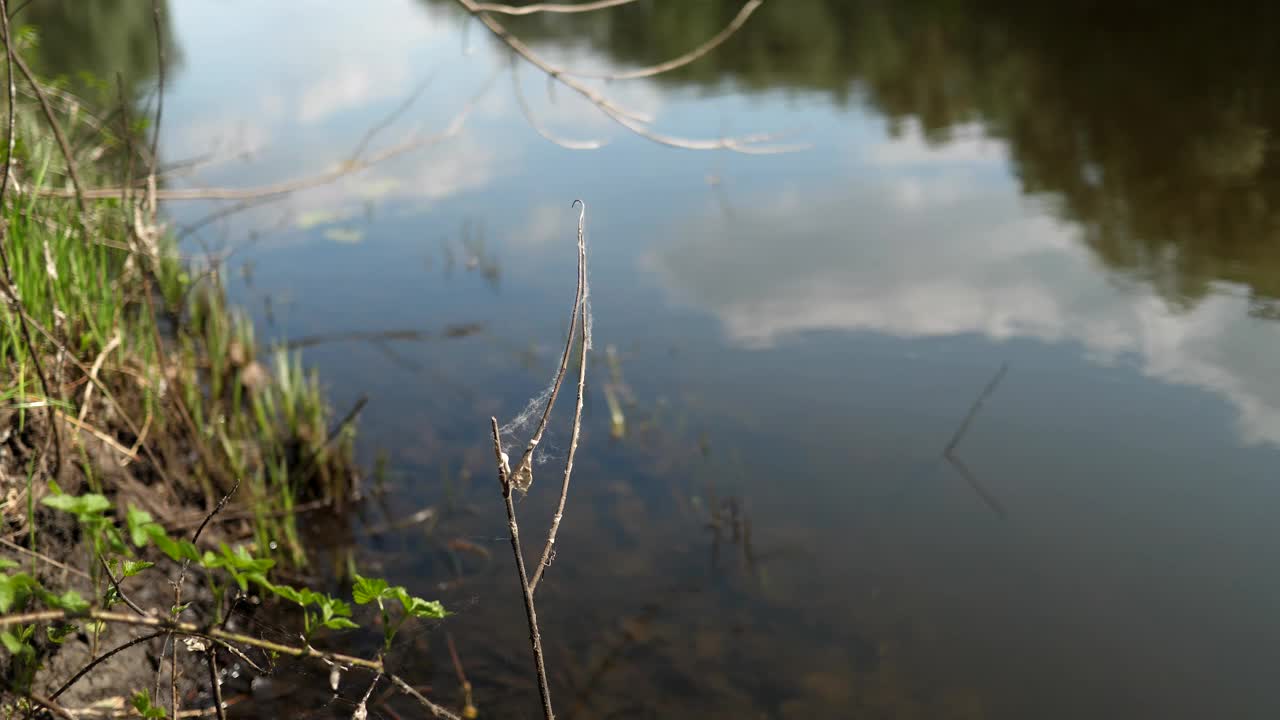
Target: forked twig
[
  {"x": 549, "y": 549},
  {"x": 522, "y": 475},
  {"x": 116, "y": 584}
]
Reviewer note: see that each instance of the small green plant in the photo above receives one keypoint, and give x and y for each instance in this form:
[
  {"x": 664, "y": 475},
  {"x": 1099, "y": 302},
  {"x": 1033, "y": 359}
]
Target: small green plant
[
  {"x": 367, "y": 590},
  {"x": 223, "y": 567},
  {"x": 141, "y": 701}
]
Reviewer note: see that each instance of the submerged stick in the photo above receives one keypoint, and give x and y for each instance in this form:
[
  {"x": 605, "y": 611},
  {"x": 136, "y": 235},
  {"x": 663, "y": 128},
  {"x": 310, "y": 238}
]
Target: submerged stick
[{"x": 949, "y": 455}]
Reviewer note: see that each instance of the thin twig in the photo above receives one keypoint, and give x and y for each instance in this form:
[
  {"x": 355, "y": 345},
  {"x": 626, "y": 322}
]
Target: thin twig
[
  {"x": 550, "y": 7},
  {"x": 537, "y": 126},
  {"x": 45, "y": 702},
  {"x": 178, "y": 627},
  {"x": 116, "y": 584},
  {"x": 215, "y": 684},
  {"x": 976, "y": 407},
  {"x": 362, "y": 710},
  {"x": 549, "y": 548},
  {"x": 678, "y": 62},
  {"x": 468, "y": 704},
  {"x": 522, "y": 476},
  {"x": 749, "y": 144},
  {"x": 954, "y": 460},
  {"x": 103, "y": 658},
  {"x": 44, "y": 558},
  {"x": 93, "y": 373},
  {"x": 434, "y": 709},
  {"x": 513, "y": 528}
]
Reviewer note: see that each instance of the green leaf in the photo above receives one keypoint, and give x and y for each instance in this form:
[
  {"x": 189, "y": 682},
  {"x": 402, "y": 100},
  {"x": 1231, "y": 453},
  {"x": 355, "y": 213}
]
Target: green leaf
[
  {"x": 11, "y": 642},
  {"x": 7, "y": 564},
  {"x": 339, "y": 623},
  {"x": 141, "y": 702},
  {"x": 419, "y": 608},
  {"x": 138, "y": 520},
  {"x": 69, "y": 601},
  {"x": 367, "y": 590},
  {"x": 177, "y": 550},
  {"x": 82, "y": 506},
  {"x": 288, "y": 593},
  {"x": 14, "y": 590},
  {"x": 130, "y": 568},
  {"x": 59, "y": 633}
]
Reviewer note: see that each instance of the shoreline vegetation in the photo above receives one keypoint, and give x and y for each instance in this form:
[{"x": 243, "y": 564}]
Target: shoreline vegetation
[{"x": 148, "y": 440}]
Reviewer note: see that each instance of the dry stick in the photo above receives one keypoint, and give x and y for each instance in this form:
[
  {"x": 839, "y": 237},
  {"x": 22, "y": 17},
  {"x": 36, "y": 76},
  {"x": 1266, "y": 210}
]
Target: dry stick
[
  {"x": 535, "y": 638},
  {"x": 469, "y": 708},
  {"x": 216, "y": 683},
  {"x": 102, "y": 658},
  {"x": 10, "y": 290},
  {"x": 116, "y": 584},
  {"x": 93, "y": 372},
  {"x": 748, "y": 144},
  {"x": 522, "y": 476},
  {"x": 177, "y": 627},
  {"x": 550, "y": 7},
  {"x": 549, "y": 548},
  {"x": 45, "y": 558},
  {"x": 362, "y": 710},
  {"x": 718, "y": 39},
  {"x": 44, "y": 702},
  {"x": 434, "y": 709}
]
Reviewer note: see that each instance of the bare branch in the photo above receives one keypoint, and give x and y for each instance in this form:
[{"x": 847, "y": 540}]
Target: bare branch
[
  {"x": 748, "y": 144},
  {"x": 103, "y": 658},
  {"x": 693, "y": 55},
  {"x": 550, "y": 7},
  {"x": 513, "y": 529},
  {"x": 43, "y": 558},
  {"x": 538, "y": 126}
]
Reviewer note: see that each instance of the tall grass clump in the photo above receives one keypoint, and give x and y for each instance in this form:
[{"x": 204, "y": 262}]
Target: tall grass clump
[{"x": 157, "y": 387}]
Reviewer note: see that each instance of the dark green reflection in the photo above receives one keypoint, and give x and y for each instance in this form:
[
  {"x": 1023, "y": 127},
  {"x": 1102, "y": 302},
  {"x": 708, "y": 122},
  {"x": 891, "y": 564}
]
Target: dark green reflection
[
  {"x": 1151, "y": 125},
  {"x": 92, "y": 43}
]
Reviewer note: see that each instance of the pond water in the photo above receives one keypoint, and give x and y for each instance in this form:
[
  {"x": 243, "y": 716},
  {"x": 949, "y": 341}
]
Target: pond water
[{"x": 1083, "y": 194}]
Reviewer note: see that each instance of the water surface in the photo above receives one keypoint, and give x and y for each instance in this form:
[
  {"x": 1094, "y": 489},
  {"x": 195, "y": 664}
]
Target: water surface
[{"x": 1083, "y": 194}]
